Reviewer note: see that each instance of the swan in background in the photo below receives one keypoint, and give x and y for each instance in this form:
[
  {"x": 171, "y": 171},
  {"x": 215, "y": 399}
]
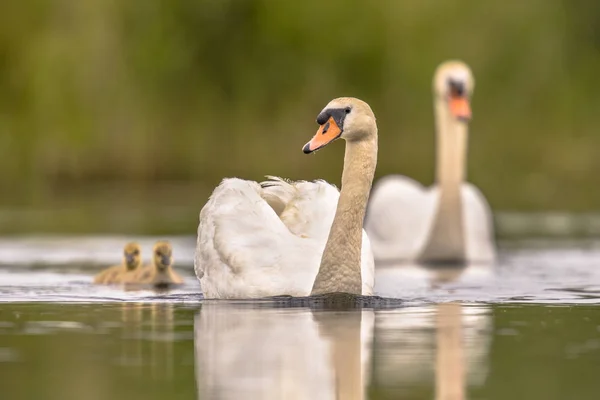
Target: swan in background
[
  {"x": 451, "y": 222},
  {"x": 294, "y": 238}
]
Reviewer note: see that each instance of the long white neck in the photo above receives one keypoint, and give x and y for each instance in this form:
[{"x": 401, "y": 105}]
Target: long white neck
[
  {"x": 446, "y": 242},
  {"x": 341, "y": 261}
]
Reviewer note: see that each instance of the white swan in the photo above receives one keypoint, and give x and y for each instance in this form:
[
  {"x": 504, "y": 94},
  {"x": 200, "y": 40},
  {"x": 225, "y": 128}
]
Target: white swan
[
  {"x": 294, "y": 238},
  {"x": 450, "y": 222}
]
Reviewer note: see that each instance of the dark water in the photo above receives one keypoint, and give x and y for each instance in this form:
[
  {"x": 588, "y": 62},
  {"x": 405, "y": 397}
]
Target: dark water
[{"x": 527, "y": 329}]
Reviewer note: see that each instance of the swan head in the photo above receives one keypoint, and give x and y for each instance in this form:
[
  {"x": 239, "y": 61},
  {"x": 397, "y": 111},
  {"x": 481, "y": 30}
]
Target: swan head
[
  {"x": 162, "y": 255},
  {"x": 345, "y": 117},
  {"x": 132, "y": 256},
  {"x": 453, "y": 83}
]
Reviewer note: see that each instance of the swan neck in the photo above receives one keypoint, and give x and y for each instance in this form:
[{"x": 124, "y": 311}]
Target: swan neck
[
  {"x": 451, "y": 149},
  {"x": 446, "y": 238},
  {"x": 341, "y": 262}
]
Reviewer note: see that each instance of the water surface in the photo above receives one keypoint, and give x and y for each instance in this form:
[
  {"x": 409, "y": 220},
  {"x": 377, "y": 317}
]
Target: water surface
[{"x": 528, "y": 328}]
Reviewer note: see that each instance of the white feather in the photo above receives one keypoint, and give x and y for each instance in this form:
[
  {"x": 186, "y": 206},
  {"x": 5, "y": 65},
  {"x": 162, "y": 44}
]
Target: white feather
[
  {"x": 257, "y": 240},
  {"x": 400, "y": 215}
]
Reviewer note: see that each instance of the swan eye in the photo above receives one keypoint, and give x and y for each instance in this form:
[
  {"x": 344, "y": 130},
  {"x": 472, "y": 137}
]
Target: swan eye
[
  {"x": 457, "y": 88},
  {"x": 347, "y": 110}
]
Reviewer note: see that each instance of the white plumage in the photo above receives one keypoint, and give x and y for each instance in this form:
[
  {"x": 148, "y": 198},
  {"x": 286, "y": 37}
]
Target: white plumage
[
  {"x": 401, "y": 213},
  {"x": 267, "y": 239}
]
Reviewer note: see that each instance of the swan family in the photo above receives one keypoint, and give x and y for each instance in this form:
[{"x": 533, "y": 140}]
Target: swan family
[
  {"x": 300, "y": 238},
  {"x": 280, "y": 237},
  {"x": 159, "y": 273}
]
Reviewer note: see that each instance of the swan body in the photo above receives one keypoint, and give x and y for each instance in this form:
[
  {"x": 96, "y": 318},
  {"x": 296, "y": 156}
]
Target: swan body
[
  {"x": 267, "y": 239},
  {"x": 399, "y": 235},
  {"x": 450, "y": 222},
  {"x": 294, "y": 238}
]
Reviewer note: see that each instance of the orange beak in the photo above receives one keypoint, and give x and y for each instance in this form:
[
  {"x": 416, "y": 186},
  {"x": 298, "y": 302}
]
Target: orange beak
[
  {"x": 326, "y": 134},
  {"x": 460, "y": 107}
]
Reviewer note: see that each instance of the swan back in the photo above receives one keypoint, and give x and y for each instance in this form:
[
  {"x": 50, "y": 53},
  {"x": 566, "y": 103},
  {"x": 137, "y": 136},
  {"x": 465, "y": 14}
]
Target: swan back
[
  {"x": 245, "y": 250},
  {"x": 307, "y": 208}
]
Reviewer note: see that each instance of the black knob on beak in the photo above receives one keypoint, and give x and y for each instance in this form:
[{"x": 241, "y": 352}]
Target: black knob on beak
[{"x": 322, "y": 118}]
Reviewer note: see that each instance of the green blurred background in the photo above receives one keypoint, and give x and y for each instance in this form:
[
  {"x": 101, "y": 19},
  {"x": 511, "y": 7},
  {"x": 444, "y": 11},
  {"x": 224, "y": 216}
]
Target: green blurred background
[{"x": 121, "y": 116}]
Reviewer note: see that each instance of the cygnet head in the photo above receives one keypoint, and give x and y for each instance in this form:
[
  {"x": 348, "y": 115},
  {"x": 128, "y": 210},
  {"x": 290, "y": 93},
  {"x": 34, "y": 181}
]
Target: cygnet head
[
  {"x": 132, "y": 255},
  {"x": 163, "y": 255},
  {"x": 453, "y": 83},
  {"x": 345, "y": 117}
]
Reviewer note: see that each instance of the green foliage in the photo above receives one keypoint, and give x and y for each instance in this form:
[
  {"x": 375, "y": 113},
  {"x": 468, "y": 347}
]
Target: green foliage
[{"x": 148, "y": 90}]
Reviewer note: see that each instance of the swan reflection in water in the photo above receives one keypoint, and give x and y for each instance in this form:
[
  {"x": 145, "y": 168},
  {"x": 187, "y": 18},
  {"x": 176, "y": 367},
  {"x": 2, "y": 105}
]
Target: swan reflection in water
[
  {"x": 446, "y": 343},
  {"x": 253, "y": 351},
  {"x": 287, "y": 353}
]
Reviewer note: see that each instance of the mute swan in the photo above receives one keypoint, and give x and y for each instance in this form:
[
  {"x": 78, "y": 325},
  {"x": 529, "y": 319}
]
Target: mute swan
[
  {"x": 294, "y": 238},
  {"x": 124, "y": 272},
  {"x": 450, "y": 222},
  {"x": 160, "y": 272}
]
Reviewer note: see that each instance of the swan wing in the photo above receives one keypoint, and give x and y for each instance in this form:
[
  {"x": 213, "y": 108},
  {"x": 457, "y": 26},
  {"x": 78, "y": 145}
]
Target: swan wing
[
  {"x": 307, "y": 208},
  {"x": 367, "y": 266},
  {"x": 244, "y": 250},
  {"x": 398, "y": 216},
  {"x": 479, "y": 225},
  {"x": 278, "y": 192}
]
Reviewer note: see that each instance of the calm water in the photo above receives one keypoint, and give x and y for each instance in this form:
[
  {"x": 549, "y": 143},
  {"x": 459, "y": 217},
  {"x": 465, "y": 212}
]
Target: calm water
[{"x": 528, "y": 328}]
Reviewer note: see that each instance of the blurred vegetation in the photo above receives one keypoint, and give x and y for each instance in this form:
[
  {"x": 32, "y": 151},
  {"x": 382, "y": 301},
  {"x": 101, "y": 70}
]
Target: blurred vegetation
[{"x": 141, "y": 92}]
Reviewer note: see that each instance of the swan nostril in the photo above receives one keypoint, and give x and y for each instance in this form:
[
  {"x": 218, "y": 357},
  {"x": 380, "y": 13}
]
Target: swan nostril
[{"x": 326, "y": 128}]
